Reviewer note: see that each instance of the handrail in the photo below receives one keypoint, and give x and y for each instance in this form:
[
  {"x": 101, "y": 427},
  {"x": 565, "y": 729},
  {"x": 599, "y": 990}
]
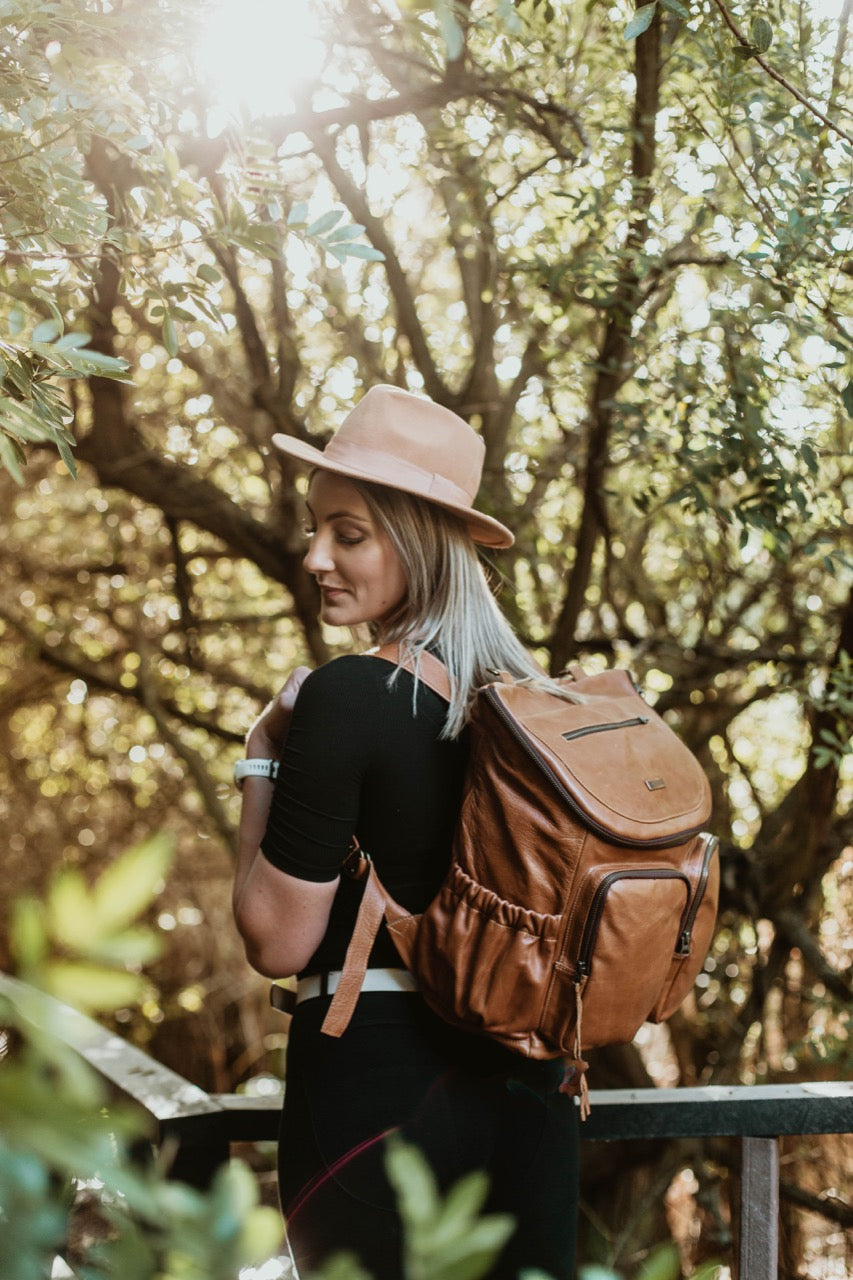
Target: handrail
[{"x": 202, "y": 1125}]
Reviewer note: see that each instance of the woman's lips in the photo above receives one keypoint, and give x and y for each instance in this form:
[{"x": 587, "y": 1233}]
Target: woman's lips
[{"x": 332, "y": 593}]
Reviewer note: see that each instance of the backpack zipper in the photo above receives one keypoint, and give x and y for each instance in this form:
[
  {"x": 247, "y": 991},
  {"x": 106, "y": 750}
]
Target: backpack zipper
[
  {"x": 585, "y": 818},
  {"x": 686, "y": 933},
  {"x": 602, "y": 728},
  {"x": 593, "y": 919}
]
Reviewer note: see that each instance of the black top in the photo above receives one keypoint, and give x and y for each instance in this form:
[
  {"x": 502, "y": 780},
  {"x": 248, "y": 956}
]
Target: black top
[{"x": 361, "y": 760}]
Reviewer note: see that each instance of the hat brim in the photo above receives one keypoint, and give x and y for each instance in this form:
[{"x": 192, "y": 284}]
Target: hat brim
[{"x": 482, "y": 529}]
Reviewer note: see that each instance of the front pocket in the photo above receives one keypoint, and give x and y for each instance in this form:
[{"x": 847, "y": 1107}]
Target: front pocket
[
  {"x": 483, "y": 962},
  {"x": 616, "y": 956},
  {"x": 695, "y": 933}
]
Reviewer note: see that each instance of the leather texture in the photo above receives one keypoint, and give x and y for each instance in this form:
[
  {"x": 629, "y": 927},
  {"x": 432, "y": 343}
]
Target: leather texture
[{"x": 582, "y": 893}]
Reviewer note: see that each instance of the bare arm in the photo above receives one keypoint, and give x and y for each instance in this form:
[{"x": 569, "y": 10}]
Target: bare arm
[{"x": 281, "y": 919}]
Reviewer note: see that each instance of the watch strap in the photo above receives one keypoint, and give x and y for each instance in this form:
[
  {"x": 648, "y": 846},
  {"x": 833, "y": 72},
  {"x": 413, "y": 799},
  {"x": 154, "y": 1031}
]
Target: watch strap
[{"x": 256, "y": 768}]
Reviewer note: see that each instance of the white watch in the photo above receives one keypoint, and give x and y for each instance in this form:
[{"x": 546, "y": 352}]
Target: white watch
[{"x": 255, "y": 769}]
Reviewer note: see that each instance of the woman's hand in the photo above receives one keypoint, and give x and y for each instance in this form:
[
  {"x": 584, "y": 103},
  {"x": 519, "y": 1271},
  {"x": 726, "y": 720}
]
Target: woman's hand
[{"x": 267, "y": 735}]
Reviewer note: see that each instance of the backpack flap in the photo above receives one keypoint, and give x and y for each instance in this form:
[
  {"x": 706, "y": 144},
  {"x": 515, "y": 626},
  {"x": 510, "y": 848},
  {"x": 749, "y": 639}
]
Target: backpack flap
[{"x": 613, "y": 759}]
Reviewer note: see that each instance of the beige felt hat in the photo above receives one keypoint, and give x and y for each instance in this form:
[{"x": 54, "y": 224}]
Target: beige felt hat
[{"x": 408, "y": 442}]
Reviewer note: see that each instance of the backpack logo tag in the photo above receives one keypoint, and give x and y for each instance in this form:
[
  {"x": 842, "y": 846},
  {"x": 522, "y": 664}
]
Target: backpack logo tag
[{"x": 655, "y": 784}]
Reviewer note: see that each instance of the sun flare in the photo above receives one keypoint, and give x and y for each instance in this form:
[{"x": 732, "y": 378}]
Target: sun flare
[{"x": 257, "y": 54}]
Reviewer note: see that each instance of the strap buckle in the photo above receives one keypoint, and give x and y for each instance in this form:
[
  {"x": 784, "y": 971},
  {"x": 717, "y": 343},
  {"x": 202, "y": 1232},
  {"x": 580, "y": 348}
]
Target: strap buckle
[{"x": 357, "y": 862}]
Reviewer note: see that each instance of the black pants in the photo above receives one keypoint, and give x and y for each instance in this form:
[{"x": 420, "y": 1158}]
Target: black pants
[{"x": 464, "y": 1100}]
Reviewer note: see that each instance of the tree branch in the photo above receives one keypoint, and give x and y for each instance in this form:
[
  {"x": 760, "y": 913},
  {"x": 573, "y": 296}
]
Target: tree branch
[
  {"x": 780, "y": 79},
  {"x": 94, "y": 678},
  {"x": 796, "y": 932},
  {"x": 613, "y": 351},
  {"x": 407, "y": 315},
  {"x": 196, "y": 765}
]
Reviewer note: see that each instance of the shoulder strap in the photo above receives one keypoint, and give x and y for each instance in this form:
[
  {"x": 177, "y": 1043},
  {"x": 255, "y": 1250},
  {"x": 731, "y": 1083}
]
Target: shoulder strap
[
  {"x": 376, "y": 903},
  {"x": 431, "y": 670}
]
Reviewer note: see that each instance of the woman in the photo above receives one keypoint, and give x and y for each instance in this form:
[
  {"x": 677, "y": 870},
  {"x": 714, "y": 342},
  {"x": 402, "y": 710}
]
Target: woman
[{"x": 367, "y": 749}]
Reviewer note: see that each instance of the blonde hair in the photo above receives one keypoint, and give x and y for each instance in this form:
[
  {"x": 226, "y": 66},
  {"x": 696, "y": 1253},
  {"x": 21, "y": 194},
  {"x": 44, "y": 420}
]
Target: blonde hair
[{"x": 449, "y": 606}]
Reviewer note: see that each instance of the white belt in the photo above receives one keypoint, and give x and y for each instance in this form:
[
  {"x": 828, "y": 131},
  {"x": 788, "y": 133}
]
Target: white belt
[{"x": 326, "y": 984}]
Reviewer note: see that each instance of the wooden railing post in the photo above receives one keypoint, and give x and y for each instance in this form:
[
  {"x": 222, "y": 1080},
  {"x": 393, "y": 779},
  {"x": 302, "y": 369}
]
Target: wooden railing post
[{"x": 759, "y": 1209}]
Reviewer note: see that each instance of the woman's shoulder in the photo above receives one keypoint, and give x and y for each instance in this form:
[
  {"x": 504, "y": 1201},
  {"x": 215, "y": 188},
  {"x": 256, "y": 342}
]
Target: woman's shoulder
[
  {"x": 361, "y": 681},
  {"x": 351, "y": 673}
]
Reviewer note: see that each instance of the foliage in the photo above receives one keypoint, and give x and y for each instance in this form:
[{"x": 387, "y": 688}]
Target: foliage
[
  {"x": 445, "y": 1239},
  {"x": 662, "y": 1263},
  {"x": 59, "y": 1126},
  {"x": 624, "y": 260},
  {"x": 81, "y": 945},
  {"x": 60, "y": 117},
  {"x": 837, "y": 699}
]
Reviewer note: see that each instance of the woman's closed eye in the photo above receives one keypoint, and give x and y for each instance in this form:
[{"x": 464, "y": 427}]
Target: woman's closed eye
[{"x": 342, "y": 537}]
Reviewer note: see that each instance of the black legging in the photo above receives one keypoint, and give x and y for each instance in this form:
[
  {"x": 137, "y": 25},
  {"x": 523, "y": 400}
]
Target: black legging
[{"x": 466, "y": 1102}]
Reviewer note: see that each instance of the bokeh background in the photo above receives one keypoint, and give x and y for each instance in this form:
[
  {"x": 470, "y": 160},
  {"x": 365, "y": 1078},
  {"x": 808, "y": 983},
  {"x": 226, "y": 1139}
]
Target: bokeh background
[{"x": 617, "y": 241}]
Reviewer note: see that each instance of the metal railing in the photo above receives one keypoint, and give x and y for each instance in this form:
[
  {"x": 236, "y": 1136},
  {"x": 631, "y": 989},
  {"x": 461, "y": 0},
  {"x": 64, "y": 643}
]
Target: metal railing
[{"x": 202, "y": 1126}]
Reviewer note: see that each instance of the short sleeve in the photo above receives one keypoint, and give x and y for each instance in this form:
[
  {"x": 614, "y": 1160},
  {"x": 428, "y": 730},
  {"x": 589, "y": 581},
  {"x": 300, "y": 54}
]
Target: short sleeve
[{"x": 329, "y": 747}]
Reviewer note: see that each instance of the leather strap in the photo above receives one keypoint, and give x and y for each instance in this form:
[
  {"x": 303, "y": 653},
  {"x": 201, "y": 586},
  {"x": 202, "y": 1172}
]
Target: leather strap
[
  {"x": 430, "y": 669},
  {"x": 376, "y": 903}
]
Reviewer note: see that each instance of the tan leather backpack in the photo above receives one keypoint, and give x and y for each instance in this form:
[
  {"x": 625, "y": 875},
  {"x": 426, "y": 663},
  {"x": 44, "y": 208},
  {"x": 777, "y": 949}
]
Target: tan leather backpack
[{"x": 582, "y": 893}]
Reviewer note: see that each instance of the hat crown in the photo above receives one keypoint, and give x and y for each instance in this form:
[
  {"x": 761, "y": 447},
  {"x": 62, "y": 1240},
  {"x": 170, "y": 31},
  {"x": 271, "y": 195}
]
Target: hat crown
[
  {"x": 408, "y": 442},
  {"x": 415, "y": 432}
]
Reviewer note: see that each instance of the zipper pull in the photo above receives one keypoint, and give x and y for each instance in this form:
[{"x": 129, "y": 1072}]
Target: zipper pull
[{"x": 683, "y": 948}]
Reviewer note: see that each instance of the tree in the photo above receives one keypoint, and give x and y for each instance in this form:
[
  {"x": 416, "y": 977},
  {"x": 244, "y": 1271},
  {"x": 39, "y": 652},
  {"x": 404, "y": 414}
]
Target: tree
[{"x": 621, "y": 258}]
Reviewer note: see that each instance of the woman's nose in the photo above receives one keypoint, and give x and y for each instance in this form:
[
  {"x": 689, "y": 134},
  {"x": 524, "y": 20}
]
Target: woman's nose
[{"x": 318, "y": 557}]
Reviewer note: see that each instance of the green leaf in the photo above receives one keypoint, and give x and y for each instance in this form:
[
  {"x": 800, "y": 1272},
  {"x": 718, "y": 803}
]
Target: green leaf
[
  {"x": 209, "y": 273},
  {"x": 509, "y": 16},
  {"x": 471, "y": 1256},
  {"x": 296, "y": 217},
  {"x": 12, "y": 456},
  {"x": 641, "y": 21},
  {"x": 847, "y": 398},
  {"x": 451, "y": 32},
  {"x": 762, "y": 34},
  {"x": 413, "y": 1181},
  {"x": 129, "y": 885},
  {"x": 261, "y": 1235},
  {"x": 69, "y": 911},
  {"x": 27, "y": 934},
  {"x": 673, "y": 6},
  {"x": 131, "y": 947},
  {"x": 463, "y": 1202},
  {"x": 347, "y": 232},
  {"x": 47, "y": 331},
  {"x": 365, "y": 251},
  {"x": 170, "y": 335},
  {"x": 663, "y": 1263},
  {"x": 67, "y": 456},
  {"x": 325, "y": 222},
  {"x": 89, "y": 986},
  {"x": 72, "y": 341},
  {"x": 16, "y": 320}
]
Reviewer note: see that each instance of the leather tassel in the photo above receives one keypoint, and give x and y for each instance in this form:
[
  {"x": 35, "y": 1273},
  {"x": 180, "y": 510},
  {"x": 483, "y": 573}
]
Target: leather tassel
[{"x": 574, "y": 1078}]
